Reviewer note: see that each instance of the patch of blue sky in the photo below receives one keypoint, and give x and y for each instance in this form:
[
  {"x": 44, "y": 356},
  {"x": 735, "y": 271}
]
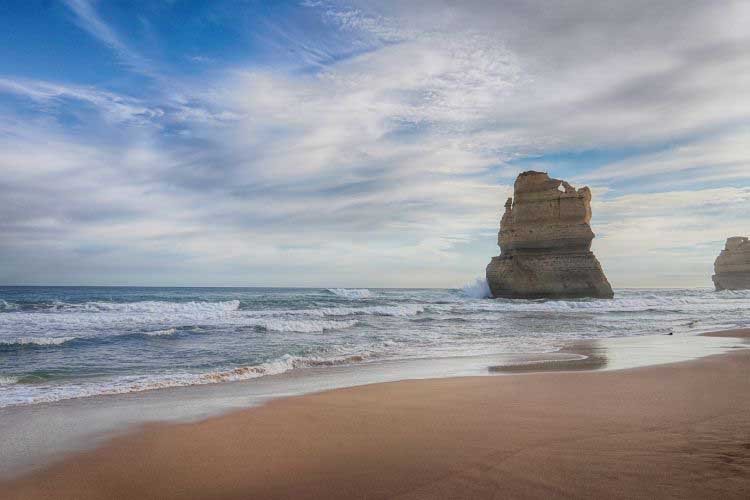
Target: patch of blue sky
[
  {"x": 575, "y": 163},
  {"x": 279, "y": 34},
  {"x": 46, "y": 40},
  {"x": 39, "y": 40},
  {"x": 687, "y": 180}
]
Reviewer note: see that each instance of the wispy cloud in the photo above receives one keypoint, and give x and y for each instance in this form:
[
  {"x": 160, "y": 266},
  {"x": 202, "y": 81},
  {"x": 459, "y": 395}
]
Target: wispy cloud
[
  {"x": 384, "y": 160},
  {"x": 668, "y": 238},
  {"x": 89, "y": 20},
  {"x": 719, "y": 157},
  {"x": 114, "y": 106}
]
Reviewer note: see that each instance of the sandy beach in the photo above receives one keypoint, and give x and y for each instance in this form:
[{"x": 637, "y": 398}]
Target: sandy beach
[
  {"x": 349, "y": 249},
  {"x": 680, "y": 430}
]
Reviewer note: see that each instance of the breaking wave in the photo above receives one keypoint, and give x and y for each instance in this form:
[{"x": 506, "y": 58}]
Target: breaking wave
[
  {"x": 662, "y": 304},
  {"x": 321, "y": 312},
  {"x": 282, "y": 365},
  {"x": 46, "y": 393},
  {"x": 76, "y": 342},
  {"x": 393, "y": 310},
  {"x": 161, "y": 333},
  {"x": 36, "y": 341},
  {"x": 302, "y": 326},
  {"x": 7, "y": 306},
  {"x": 270, "y": 324},
  {"x": 7, "y": 380},
  {"x": 149, "y": 307},
  {"x": 351, "y": 293}
]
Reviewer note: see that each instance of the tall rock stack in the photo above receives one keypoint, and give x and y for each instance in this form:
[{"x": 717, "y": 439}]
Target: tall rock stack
[
  {"x": 732, "y": 266},
  {"x": 545, "y": 243}
]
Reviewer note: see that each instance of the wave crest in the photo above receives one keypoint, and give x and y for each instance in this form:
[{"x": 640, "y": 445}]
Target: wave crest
[
  {"x": 282, "y": 365},
  {"x": 7, "y": 306},
  {"x": 351, "y": 293},
  {"x": 32, "y": 393},
  {"x": 148, "y": 306},
  {"x": 161, "y": 333},
  {"x": 36, "y": 341},
  {"x": 302, "y": 325}
]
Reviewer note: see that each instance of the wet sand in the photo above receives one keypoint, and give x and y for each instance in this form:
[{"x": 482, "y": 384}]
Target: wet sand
[
  {"x": 680, "y": 430},
  {"x": 591, "y": 357},
  {"x": 742, "y": 333}
]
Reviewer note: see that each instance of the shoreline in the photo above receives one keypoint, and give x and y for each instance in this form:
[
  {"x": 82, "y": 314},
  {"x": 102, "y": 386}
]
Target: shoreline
[
  {"x": 592, "y": 356},
  {"x": 36, "y": 436},
  {"x": 412, "y": 436}
]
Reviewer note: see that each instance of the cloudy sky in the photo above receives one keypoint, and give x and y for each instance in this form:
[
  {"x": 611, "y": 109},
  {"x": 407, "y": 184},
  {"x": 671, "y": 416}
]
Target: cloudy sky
[{"x": 372, "y": 143}]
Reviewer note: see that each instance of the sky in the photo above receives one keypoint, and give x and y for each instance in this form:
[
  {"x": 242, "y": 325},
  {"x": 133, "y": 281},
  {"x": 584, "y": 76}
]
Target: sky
[{"x": 363, "y": 143}]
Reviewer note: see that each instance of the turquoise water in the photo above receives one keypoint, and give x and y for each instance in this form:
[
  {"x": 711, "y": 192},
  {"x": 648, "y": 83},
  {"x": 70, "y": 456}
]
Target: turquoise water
[{"x": 59, "y": 343}]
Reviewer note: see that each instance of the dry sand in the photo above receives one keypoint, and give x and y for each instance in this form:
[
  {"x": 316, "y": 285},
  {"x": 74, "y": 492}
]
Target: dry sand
[{"x": 671, "y": 431}]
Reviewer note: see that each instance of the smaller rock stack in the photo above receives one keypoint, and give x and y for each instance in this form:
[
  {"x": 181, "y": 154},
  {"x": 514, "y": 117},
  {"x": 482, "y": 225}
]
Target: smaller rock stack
[
  {"x": 545, "y": 243},
  {"x": 732, "y": 266}
]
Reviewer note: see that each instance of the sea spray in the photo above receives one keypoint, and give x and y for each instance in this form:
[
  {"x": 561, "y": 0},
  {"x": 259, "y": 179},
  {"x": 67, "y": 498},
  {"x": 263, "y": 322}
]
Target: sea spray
[{"x": 479, "y": 289}]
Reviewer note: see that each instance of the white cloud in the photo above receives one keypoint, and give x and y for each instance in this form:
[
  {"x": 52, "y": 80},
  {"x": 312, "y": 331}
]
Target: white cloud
[
  {"x": 667, "y": 238},
  {"x": 113, "y": 106},
  {"x": 389, "y": 167},
  {"x": 724, "y": 156}
]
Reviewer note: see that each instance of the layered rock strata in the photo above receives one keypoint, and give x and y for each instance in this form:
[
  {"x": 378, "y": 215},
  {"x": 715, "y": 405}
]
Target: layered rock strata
[
  {"x": 545, "y": 243},
  {"x": 732, "y": 266}
]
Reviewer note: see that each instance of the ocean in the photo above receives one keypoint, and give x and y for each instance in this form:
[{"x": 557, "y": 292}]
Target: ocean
[{"x": 60, "y": 343}]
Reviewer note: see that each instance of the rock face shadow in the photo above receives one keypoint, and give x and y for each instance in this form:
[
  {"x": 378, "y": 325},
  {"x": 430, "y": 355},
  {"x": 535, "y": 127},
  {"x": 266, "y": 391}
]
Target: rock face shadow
[{"x": 545, "y": 243}]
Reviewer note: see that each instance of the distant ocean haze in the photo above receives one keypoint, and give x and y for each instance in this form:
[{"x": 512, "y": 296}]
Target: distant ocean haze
[{"x": 59, "y": 343}]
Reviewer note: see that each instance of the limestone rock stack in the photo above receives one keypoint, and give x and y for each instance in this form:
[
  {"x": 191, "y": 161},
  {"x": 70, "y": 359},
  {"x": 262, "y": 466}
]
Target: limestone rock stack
[
  {"x": 545, "y": 243},
  {"x": 732, "y": 266}
]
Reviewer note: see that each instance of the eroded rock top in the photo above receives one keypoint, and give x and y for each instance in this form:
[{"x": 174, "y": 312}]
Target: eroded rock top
[
  {"x": 732, "y": 266},
  {"x": 735, "y": 257},
  {"x": 547, "y": 214}
]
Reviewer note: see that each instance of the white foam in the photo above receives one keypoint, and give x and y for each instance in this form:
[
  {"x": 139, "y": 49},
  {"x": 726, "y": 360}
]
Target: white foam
[
  {"x": 7, "y": 306},
  {"x": 351, "y": 293},
  {"x": 646, "y": 302},
  {"x": 26, "y": 394},
  {"x": 36, "y": 341},
  {"x": 149, "y": 306},
  {"x": 8, "y": 380},
  {"x": 392, "y": 310},
  {"x": 477, "y": 290},
  {"x": 385, "y": 310},
  {"x": 101, "y": 319},
  {"x": 507, "y": 326},
  {"x": 161, "y": 333},
  {"x": 301, "y": 325},
  {"x": 278, "y": 366}
]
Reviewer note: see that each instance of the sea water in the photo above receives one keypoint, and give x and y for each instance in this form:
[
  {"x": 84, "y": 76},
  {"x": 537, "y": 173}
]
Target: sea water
[{"x": 59, "y": 343}]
